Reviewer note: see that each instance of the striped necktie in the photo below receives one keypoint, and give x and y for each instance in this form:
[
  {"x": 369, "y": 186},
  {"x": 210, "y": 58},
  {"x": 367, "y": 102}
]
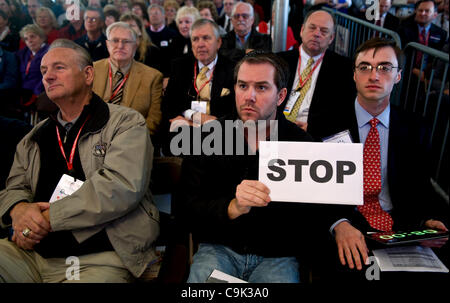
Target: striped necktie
[
  {"x": 118, "y": 78},
  {"x": 292, "y": 116}
]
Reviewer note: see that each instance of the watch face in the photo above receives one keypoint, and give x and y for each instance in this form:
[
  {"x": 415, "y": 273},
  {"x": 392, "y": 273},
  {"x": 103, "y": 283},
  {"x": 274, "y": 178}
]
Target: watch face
[{"x": 401, "y": 237}]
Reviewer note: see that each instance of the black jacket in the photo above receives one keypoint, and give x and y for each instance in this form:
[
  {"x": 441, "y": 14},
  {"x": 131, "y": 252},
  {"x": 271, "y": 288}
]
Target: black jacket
[{"x": 255, "y": 41}]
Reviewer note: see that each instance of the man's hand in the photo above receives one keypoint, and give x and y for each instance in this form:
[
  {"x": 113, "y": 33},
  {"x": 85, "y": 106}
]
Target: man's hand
[
  {"x": 302, "y": 125},
  {"x": 351, "y": 245},
  {"x": 30, "y": 215},
  {"x": 249, "y": 193},
  {"x": 435, "y": 224},
  {"x": 180, "y": 120}
]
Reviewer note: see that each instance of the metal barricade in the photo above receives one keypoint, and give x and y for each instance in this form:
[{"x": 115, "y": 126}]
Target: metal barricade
[{"x": 425, "y": 91}]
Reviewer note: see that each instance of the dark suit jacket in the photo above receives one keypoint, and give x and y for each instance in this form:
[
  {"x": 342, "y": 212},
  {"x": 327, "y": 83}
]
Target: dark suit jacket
[
  {"x": 334, "y": 91},
  {"x": 391, "y": 22},
  {"x": 413, "y": 198},
  {"x": 180, "y": 90},
  {"x": 255, "y": 41},
  {"x": 409, "y": 32}
]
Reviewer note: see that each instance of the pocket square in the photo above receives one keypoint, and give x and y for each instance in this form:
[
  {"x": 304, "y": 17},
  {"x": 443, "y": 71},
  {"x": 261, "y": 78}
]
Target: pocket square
[{"x": 225, "y": 92}]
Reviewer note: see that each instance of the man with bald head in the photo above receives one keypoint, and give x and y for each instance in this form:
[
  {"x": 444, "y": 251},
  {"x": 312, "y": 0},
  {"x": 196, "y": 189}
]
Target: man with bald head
[{"x": 320, "y": 81}]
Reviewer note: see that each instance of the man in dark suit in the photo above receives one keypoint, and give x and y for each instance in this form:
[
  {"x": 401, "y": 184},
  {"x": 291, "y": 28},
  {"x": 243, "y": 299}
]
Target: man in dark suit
[
  {"x": 402, "y": 197},
  {"x": 387, "y": 20},
  {"x": 188, "y": 98},
  {"x": 243, "y": 38},
  {"x": 330, "y": 86},
  {"x": 225, "y": 19},
  {"x": 419, "y": 27}
]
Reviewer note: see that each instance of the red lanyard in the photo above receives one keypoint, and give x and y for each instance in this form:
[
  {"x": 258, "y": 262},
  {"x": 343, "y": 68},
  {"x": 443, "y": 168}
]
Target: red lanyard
[
  {"x": 74, "y": 146},
  {"x": 195, "y": 80},
  {"x": 27, "y": 69},
  {"x": 114, "y": 93},
  {"x": 300, "y": 81}
]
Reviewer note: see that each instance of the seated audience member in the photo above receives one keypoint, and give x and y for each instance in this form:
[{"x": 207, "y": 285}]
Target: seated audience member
[
  {"x": 9, "y": 40},
  {"x": 387, "y": 20},
  {"x": 204, "y": 76},
  {"x": 124, "y": 7},
  {"x": 243, "y": 38},
  {"x": 268, "y": 28},
  {"x": 219, "y": 7},
  {"x": 9, "y": 81},
  {"x": 139, "y": 9},
  {"x": 441, "y": 19},
  {"x": 74, "y": 29},
  {"x": 95, "y": 3},
  {"x": 312, "y": 79},
  {"x": 15, "y": 15},
  {"x": 30, "y": 61},
  {"x": 229, "y": 212},
  {"x": 181, "y": 43},
  {"x": 119, "y": 79},
  {"x": 146, "y": 51},
  {"x": 94, "y": 41},
  {"x": 398, "y": 196},
  {"x": 161, "y": 35},
  {"x": 102, "y": 222},
  {"x": 419, "y": 27},
  {"x": 208, "y": 10},
  {"x": 111, "y": 14},
  {"x": 170, "y": 8},
  {"x": 225, "y": 20},
  {"x": 46, "y": 20},
  {"x": 32, "y": 6}
]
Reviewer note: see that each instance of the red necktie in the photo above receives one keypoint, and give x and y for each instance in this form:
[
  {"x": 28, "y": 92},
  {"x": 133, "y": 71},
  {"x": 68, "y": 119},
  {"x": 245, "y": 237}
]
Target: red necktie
[
  {"x": 27, "y": 69},
  {"x": 422, "y": 40},
  {"x": 371, "y": 210}
]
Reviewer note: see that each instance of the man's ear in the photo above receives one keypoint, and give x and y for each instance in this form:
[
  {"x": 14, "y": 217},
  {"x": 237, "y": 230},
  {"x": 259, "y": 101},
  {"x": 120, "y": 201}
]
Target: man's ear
[
  {"x": 281, "y": 96},
  {"x": 399, "y": 76},
  {"x": 89, "y": 74}
]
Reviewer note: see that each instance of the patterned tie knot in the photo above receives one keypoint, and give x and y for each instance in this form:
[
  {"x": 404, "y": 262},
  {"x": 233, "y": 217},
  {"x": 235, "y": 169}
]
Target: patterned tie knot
[
  {"x": 310, "y": 63},
  {"x": 119, "y": 75},
  {"x": 203, "y": 72},
  {"x": 374, "y": 122}
]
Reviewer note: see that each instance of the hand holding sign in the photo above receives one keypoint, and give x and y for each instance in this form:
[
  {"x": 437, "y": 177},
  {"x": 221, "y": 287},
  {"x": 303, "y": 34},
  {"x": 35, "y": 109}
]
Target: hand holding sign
[{"x": 249, "y": 193}]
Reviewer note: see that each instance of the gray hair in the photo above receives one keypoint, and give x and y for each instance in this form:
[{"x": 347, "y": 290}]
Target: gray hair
[
  {"x": 250, "y": 7},
  {"x": 83, "y": 56},
  {"x": 185, "y": 11},
  {"x": 94, "y": 9},
  {"x": 154, "y": 5},
  {"x": 32, "y": 28},
  {"x": 123, "y": 25},
  {"x": 202, "y": 22}
]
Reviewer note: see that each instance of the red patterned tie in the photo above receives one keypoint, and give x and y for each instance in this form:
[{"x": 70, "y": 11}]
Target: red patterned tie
[{"x": 371, "y": 210}]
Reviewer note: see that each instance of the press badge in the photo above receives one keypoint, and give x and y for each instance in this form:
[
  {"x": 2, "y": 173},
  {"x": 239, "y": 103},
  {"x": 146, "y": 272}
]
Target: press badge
[
  {"x": 290, "y": 104},
  {"x": 342, "y": 137},
  {"x": 199, "y": 106},
  {"x": 67, "y": 185},
  {"x": 164, "y": 43}
]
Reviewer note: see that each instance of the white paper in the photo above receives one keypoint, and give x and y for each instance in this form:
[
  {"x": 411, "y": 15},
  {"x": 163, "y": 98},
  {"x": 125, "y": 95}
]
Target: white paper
[
  {"x": 67, "y": 185},
  {"x": 409, "y": 258},
  {"x": 348, "y": 191},
  {"x": 199, "y": 106},
  {"x": 220, "y": 277},
  {"x": 342, "y": 137}
]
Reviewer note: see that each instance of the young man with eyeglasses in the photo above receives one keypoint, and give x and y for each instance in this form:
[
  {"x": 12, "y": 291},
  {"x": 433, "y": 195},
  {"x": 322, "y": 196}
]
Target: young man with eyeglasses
[
  {"x": 121, "y": 80},
  {"x": 395, "y": 159},
  {"x": 94, "y": 41},
  {"x": 243, "y": 38}
]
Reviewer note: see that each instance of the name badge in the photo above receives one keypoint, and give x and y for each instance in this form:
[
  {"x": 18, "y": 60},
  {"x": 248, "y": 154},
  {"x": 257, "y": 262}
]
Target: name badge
[
  {"x": 67, "y": 185},
  {"x": 164, "y": 43},
  {"x": 342, "y": 137},
  {"x": 199, "y": 106},
  {"x": 290, "y": 104}
]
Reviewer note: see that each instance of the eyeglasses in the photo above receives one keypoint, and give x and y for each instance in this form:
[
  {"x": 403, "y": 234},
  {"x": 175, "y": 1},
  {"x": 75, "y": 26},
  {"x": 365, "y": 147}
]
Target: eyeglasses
[
  {"x": 244, "y": 16},
  {"x": 90, "y": 19},
  {"x": 384, "y": 69},
  {"x": 125, "y": 42}
]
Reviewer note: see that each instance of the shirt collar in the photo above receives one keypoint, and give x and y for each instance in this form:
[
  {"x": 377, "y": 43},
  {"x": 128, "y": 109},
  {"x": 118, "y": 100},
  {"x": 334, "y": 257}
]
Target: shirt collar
[
  {"x": 210, "y": 66},
  {"x": 246, "y": 36},
  {"x": 363, "y": 117},
  {"x": 124, "y": 70},
  {"x": 63, "y": 122},
  {"x": 306, "y": 57},
  {"x": 157, "y": 30},
  {"x": 427, "y": 28}
]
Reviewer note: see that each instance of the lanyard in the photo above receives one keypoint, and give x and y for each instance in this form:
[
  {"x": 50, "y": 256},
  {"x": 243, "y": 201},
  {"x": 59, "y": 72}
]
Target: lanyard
[
  {"x": 300, "y": 81},
  {"x": 195, "y": 80},
  {"x": 114, "y": 93},
  {"x": 72, "y": 152},
  {"x": 27, "y": 69}
]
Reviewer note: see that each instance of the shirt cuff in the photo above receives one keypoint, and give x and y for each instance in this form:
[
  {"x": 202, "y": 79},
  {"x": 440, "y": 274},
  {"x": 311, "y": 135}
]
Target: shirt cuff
[
  {"x": 336, "y": 223},
  {"x": 188, "y": 114}
]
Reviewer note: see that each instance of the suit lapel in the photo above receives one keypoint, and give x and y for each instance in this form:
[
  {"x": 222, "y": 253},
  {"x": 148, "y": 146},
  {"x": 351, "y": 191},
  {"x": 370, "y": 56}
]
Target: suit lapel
[
  {"x": 132, "y": 85},
  {"x": 101, "y": 80}
]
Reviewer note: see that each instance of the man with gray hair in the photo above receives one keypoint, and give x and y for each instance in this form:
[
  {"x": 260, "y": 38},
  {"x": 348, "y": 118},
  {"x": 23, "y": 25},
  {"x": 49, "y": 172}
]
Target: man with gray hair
[
  {"x": 243, "y": 38},
  {"x": 201, "y": 84},
  {"x": 79, "y": 185},
  {"x": 94, "y": 41},
  {"x": 120, "y": 79}
]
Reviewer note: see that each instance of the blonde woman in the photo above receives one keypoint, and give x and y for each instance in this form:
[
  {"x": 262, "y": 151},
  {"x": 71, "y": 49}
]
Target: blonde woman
[
  {"x": 181, "y": 44},
  {"x": 46, "y": 20}
]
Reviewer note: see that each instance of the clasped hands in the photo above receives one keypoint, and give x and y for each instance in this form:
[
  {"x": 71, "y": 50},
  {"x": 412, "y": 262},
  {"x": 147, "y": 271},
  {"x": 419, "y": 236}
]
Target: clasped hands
[{"x": 34, "y": 217}]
